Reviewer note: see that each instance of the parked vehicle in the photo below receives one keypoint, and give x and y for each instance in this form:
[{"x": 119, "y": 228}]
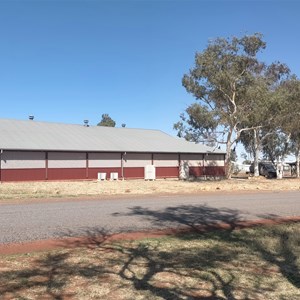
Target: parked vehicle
[{"x": 266, "y": 169}]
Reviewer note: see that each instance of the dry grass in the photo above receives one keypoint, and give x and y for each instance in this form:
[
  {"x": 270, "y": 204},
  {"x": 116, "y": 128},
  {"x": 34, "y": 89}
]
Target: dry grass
[
  {"x": 23, "y": 190},
  {"x": 257, "y": 263}
]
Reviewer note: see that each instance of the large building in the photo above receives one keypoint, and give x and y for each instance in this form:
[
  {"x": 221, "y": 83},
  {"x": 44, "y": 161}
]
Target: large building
[{"x": 33, "y": 150}]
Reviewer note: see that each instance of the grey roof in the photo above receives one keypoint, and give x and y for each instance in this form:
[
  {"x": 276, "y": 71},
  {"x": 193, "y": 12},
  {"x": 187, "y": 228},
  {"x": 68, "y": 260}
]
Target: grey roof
[{"x": 45, "y": 136}]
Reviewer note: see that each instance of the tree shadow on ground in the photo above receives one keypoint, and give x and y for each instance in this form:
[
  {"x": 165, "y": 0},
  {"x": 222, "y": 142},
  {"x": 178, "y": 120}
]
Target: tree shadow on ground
[
  {"x": 204, "y": 219},
  {"x": 152, "y": 270},
  {"x": 50, "y": 273},
  {"x": 148, "y": 267},
  {"x": 283, "y": 253},
  {"x": 144, "y": 268},
  {"x": 199, "y": 218}
]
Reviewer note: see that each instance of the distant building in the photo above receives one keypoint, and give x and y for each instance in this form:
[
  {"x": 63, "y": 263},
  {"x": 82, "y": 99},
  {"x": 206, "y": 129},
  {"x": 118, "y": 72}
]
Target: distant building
[{"x": 33, "y": 150}]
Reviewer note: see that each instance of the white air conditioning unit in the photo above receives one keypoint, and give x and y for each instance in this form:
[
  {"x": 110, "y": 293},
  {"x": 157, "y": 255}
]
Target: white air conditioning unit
[
  {"x": 101, "y": 176},
  {"x": 150, "y": 172},
  {"x": 114, "y": 176}
]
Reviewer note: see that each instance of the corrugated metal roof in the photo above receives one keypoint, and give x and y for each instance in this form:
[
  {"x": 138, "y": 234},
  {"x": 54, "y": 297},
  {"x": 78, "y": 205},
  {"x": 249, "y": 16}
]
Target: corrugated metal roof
[{"x": 33, "y": 135}]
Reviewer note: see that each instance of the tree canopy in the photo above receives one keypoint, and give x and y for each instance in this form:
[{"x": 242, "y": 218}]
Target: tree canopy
[
  {"x": 220, "y": 81},
  {"x": 107, "y": 121},
  {"x": 265, "y": 100},
  {"x": 238, "y": 97}
]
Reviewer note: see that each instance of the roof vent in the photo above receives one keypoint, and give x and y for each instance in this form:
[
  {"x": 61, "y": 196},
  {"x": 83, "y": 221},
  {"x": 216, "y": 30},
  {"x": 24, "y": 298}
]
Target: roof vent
[
  {"x": 86, "y": 123},
  {"x": 31, "y": 117}
]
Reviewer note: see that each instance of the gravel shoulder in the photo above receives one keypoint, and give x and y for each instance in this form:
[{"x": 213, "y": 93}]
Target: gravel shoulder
[{"x": 79, "y": 189}]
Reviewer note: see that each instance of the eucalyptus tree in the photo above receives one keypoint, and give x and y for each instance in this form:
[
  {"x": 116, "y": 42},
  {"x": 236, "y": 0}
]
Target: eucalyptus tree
[
  {"x": 266, "y": 103},
  {"x": 219, "y": 81},
  {"x": 290, "y": 122},
  {"x": 285, "y": 138},
  {"x": 276, "y": 146}
]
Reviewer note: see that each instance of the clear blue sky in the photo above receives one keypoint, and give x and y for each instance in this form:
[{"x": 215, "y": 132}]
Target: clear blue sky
[{"x": 66, "y": 61}]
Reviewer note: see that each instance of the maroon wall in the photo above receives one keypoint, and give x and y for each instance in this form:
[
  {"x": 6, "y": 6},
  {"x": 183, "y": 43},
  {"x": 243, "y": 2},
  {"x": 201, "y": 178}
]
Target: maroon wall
[
  {"x": 134, "y": 172},
  {"x": 207, "y": 171},
  {"x": 93, "y": 172},
  {"x": 214, "y": 171},
  {"x": 196, "y": 171},
  {"x": 66, "y": 173},
  {"x": 167, "y": 172},
  {"x": 23, "y": 174}
]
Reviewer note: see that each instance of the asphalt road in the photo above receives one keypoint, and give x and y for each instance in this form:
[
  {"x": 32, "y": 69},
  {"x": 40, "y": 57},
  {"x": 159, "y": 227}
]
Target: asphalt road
[{"x": 43, "y": 220}]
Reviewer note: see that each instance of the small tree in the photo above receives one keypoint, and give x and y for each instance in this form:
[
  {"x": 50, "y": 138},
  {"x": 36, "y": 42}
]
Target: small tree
[{"x": 107, "y": 121}]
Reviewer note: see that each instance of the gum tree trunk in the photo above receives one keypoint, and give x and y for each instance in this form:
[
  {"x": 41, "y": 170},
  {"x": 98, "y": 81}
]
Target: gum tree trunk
[
  {"x": 256, "y": 154},
  {"x": 228, "y": 167}
]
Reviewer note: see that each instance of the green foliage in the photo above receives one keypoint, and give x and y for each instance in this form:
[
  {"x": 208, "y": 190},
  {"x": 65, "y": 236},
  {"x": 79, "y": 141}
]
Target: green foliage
[
  {"x": 247, "y": 139},
  {"x": 224, "y": 81},
  {"x": 198, "y": 124},
  {"x": 291, "y": 121},
  {"x": 222, "y": 74},
  {"x": 286, "y": 137},
  {"x": 241, "y": 99},
  {"x": 107, "y": 121},
  {"x": 275, "y": 145}
]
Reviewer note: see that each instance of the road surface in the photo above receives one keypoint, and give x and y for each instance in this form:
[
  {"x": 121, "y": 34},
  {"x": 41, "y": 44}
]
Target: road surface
[{"x": 65, "y": 218}]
